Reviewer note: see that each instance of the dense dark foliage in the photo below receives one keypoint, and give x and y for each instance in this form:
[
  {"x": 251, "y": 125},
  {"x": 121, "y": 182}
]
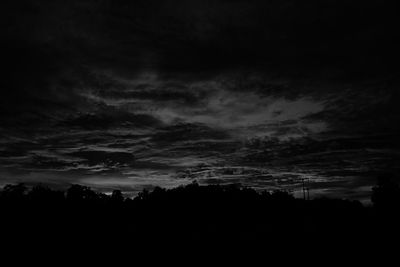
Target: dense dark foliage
[{"x": 210, "y": 217}]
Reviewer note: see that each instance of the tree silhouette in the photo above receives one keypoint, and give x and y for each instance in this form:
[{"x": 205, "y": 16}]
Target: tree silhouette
[
  {"x": 14, "y": 192},
  {"x": 117, "y": 196},
  {"x": 191, "y": 214},
  {"x": 79, "y": 193},
  {"x": 386, "y": 194},
  {"x": 44, "y": 195}
]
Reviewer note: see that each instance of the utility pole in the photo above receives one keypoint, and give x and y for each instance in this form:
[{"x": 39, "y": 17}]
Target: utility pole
[{"x": 304, "y": 189}]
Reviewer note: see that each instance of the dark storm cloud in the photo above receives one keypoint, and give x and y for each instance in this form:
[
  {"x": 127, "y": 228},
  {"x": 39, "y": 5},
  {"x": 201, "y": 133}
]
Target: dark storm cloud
[
  {"x": 180, "y": 34},
  {"x": 94, "y": 157},
  {"x": 173, "y": 91},
  {"x": 182, "y": 132},
  {"x": 47, "y": 44},
  {"x": 366, "y": 107},
  {"x": 217, "y": 34},
  {"x": 110, "y": 117},
  {"x": 140, "y": 88}
]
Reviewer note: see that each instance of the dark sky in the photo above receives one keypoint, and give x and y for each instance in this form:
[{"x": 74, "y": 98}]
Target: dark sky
[{"x": 134, "y": 94}]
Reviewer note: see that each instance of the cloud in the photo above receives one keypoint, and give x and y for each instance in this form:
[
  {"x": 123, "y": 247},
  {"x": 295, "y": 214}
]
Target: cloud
[
  {"x": 108, "y": 158},
  {"x": 110, "y": 117},
  {"x": 140, "y": 89},
  {"x": 188, "y": 132}
]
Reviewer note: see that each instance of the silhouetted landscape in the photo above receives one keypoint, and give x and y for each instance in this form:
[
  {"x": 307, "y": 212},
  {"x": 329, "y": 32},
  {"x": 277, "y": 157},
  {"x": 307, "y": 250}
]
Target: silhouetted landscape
[{"x": 193, "y": 216}]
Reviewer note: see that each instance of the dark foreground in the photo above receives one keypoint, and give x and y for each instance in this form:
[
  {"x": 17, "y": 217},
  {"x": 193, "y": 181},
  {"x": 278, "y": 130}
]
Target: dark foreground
[{"x": 195, "y": 220}]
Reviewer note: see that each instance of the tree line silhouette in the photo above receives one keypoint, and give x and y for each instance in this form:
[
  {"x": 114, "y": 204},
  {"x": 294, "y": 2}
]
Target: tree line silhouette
[{"x": 212, "y": 216}]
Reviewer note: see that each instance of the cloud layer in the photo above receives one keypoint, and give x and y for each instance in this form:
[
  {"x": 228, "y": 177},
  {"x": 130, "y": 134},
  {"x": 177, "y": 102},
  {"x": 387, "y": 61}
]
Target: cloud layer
[{"x": 142, "y": 93}]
